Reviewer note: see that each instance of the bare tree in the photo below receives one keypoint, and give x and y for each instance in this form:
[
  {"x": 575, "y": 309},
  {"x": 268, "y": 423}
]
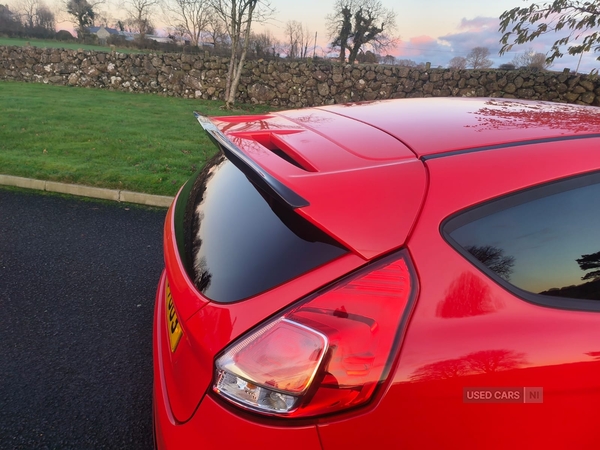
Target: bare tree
[
  {"x": 494, "y": 361},
  {"x": 263, "y": 44},
  {"x": 441, "y": 370},
  {"x": 238, "y": 16},
  {"x": 478, "y": 58},
  {"x": 368, "y": 57},
  {"x": 140, "y": 15},
  {"x": 293, "y": 36},
  {"x": 406, "y": 63},
  {"x": 135, "y": 26},
  {"x": 188, "y": 17},
  {"x": 291, "y": 31},
  {"x": 27, "y": 11},
  {"x": 532, "y": 60},
  {"x": 216, "y": 31},
  {"x": 458, "y": 62},
  {"x": 467, "y": 296},
  {"x": 389, "y": 60},
  {"x": 297, "y": 39},
  {"x": 34, "y": 13},
  {"x": 410, "y": 63},
  {"x": 357, "y": 23},
  {"x": 104, "y": 18},
  {"x": 45, "y": 18},
  {"x": 486, "y": 361},
  {"x": 494, "y": 258},
  {"x": 340, "y": 27},
  {"x": 507, "y": 66},
  {"x": 9, "y": 20},
  {"x": 305, "y": 42}
]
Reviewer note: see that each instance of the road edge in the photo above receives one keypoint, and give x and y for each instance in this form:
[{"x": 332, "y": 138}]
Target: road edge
[{"x": 87, "y": 191}]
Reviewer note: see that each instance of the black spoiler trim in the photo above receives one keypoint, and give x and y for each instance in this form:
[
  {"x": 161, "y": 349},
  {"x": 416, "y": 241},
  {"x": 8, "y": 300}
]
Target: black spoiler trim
[{"x": 252, "y": 170}]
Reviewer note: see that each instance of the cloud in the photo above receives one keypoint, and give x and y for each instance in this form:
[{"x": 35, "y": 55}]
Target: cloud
[
  {"x": 478, "y": 23},
  {"x": 478, "y": 32},
  {"x": 483, "y": 32},
  {"x": 421, "y": 47},
  {"x": 425, "y": 49}
]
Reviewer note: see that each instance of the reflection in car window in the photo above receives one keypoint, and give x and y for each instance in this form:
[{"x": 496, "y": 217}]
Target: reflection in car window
[
  {"x": 544, "y": 241},
  {"x": 242, "y": 242}
]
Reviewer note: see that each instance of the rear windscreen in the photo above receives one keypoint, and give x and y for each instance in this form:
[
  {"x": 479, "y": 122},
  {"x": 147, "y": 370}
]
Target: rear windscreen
[{"x": 240, "y": 242}]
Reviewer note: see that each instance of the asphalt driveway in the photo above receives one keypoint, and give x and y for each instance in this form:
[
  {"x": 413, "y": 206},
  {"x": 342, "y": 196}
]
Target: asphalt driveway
[{"x": 77, "y": 284}]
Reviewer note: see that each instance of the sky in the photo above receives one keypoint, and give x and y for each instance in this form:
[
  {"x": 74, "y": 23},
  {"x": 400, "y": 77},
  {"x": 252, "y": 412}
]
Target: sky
[{"x": 432, "y": 30}]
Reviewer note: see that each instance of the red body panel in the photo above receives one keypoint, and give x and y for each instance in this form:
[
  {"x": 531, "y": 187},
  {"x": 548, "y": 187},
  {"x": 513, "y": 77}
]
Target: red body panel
[
  {"x": 329, "y": 142},
  {"x": 438, "y": 125},
  {"x": 208, "y": 327},
  {"x": 374, "y": 199},
  {"x": 365, "y": 187},
  {"x": 212, "y": 426},
  {"x": 547, "y": 347}
]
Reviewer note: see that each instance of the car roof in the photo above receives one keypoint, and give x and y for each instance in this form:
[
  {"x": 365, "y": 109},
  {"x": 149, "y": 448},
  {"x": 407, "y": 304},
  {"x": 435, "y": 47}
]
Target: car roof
[
  {"x": 345, "y": 176},
  {"x": 356, "y": 167},
  {"x": 431, "y": 126}
]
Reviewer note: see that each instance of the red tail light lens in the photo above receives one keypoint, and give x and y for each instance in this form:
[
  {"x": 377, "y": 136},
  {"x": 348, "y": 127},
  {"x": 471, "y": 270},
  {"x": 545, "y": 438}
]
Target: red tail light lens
[{"x": 327, "y": 354}]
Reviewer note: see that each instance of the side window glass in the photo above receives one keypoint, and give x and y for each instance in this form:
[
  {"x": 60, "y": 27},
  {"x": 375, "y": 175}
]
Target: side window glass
[{"x": 543, "y": 241}]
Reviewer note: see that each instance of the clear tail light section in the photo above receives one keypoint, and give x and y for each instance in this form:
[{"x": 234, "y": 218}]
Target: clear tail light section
[{"x": 326, "y": 354}]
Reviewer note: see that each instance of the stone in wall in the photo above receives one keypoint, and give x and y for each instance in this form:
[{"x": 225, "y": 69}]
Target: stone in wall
[{"x": 284, "y": 83}]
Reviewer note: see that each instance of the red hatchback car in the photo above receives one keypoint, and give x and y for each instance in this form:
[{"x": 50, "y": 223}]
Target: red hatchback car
[{"x": 419, "y": 273}]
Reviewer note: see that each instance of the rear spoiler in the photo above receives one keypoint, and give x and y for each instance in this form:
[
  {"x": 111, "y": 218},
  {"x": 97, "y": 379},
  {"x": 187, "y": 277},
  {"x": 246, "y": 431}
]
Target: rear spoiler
[{"x": 253, "y": 171}]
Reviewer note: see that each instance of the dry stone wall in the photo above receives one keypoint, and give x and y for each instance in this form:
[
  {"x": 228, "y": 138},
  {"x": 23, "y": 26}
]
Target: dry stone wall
[{"x": 284, "y": 83}]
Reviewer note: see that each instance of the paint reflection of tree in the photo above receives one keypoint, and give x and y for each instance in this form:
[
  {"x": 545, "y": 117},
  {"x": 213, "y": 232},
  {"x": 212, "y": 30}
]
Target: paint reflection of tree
[
  {"x": 595, "y": 355},
  {"x": 251, "y": 147},
  {"x": 264, "y": 122},
  {"x": 313, "y": 119},
  {"x": 492, "y": 361},
  {"x": 467, "y": 296},
  {"x": 500, "y": 115},
  {"x": 441, "y": 370},
  {"x": 483, "y": 362},
  {"x": 494, "y": 258}
]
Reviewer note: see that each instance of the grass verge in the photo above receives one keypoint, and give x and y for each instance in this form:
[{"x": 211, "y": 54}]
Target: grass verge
[
  {"x": 138, "y": 142},
  {"x": 18, "y": 42},
  {"x": 91, "y": 200}
]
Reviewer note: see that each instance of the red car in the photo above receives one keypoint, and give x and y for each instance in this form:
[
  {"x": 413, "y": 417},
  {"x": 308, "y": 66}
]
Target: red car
[{"x": 416, "y": 273}]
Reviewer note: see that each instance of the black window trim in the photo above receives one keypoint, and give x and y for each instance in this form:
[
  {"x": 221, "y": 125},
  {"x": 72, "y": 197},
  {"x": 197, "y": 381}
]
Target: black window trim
[
  {"x": 508, "y": 145},
  {"x": 192, "y": 193},
  {"x": 513, "y": 199},
  {"x": 250, "y": 168}
]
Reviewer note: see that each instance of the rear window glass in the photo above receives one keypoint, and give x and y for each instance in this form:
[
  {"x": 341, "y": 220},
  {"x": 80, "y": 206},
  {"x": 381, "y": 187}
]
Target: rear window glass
[
  {"x": 543, "y": 241},
  {"x": 241, "y": 242}
]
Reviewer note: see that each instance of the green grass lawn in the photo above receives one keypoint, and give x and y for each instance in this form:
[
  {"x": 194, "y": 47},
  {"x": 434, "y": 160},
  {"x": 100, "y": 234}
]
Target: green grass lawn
[
  {"x": 17, "y": 42},
  {"x": 139, "y": 142}
]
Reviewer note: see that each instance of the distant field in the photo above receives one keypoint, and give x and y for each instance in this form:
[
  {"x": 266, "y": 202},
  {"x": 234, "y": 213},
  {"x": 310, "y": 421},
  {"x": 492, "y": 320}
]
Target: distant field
[
  {"x": 139, "y": 142},
  {"x": 61, "y": 44}
]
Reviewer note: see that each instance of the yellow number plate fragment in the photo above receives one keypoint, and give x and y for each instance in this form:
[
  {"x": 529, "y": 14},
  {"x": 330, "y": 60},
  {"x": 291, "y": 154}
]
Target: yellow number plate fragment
[{"x": 173, "y": 325}]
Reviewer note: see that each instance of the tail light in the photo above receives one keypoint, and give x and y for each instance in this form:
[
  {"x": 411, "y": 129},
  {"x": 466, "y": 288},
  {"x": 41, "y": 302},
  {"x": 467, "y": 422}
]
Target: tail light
[{"x": 327, "y": 353}]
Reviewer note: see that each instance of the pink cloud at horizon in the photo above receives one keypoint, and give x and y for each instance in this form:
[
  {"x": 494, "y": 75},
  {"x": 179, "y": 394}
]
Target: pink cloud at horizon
[{"x": 414, "y": 46}]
